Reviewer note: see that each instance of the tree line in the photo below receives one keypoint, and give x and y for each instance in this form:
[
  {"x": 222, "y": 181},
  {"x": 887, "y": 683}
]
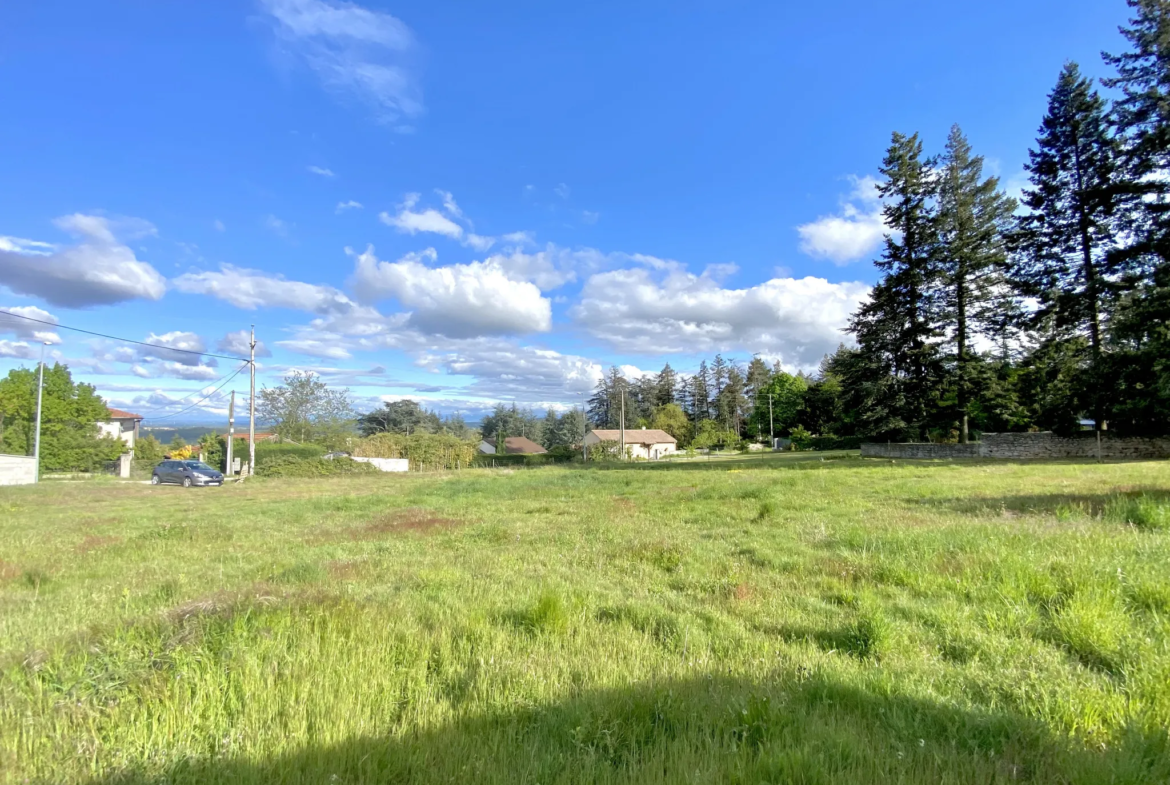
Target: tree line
[{"x": 997, "y": 316}]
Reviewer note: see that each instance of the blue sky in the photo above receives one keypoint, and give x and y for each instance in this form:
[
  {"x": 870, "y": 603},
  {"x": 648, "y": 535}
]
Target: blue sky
[{"x": 471, "y": 203}]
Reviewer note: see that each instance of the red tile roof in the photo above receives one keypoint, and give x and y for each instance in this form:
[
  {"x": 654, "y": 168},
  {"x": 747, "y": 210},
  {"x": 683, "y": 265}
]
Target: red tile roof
[{"x": 119, "y": 414}]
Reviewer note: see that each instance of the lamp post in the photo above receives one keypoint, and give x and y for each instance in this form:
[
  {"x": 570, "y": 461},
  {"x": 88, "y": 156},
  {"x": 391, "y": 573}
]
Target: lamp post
[{"x": 40, "y": 395}]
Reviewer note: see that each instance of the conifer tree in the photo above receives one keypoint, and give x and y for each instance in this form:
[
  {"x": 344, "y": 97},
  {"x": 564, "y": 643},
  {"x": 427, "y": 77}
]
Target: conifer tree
[
  {"x": 1063, "y": 243},
  {"x": 973, "y": 215},
  {"x": 896, "y": 329},
  {"x": 664, "y": 386}
]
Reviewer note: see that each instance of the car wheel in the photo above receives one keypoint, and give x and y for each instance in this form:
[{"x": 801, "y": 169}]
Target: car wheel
[
  {"x": 154, "y": 480},
  {"x": 186, "y": 482}
]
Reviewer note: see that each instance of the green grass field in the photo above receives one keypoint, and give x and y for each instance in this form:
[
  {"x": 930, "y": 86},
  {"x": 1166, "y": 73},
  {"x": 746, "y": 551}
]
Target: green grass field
[{"x": 780, "y": 619}]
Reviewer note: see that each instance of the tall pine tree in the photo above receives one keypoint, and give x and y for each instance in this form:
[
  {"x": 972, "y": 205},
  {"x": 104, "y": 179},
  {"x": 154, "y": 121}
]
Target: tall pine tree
[
  {"x": 1138, "y": 370},
  {"x": 1063, "y": 243},
  {"x": 973, "y": 216},
  {"x": 896, "y": 329}
]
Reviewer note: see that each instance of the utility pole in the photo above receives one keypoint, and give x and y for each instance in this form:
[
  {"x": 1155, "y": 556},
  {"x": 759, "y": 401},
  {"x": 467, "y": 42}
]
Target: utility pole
[
  {"x": 584, "y": 433},
  {"x": 231, "y": 440},
  {"x": 771, "y": 424},
  {"x": 623, "y": 423},
  {"x": 40, "y": 393},
  {"x": 252, "y": 405}
]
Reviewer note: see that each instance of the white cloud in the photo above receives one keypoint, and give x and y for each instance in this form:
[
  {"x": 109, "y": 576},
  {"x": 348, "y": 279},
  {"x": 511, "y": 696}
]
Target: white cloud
[
  {"x": 519, "y": 238},
  {"x": 449, "y": 203},
  {"x": 854, "y": 234},
  {"x": 797, "y": 319},
  {"x": 562, "y": 191},
  {"x": 277, "y": 226},
  {"x": 22, "y": 246},
  {"x": 18, "y": 350},
  {"x": 252, "y": 289},
  {"x": 218, "y": 226},
  {"x": 321, "y": 171},
  {"x": 548, "y": 269},
  {"x": 589, "y": 217},
  {"x": 25, "y": 329},
  {"x": 183, "y": 342},
  {"x": 329, "y": 350},
  {"x": 431, "y": 220},
  {"x": 350, "y": 205},
  {"x": 355, "y": 51},
  {"x": 479, "y": 242},
  {"x": 457, "y": 300},
  {"x": 237, "y": 343},
  {"x": 100, "y": 270}
]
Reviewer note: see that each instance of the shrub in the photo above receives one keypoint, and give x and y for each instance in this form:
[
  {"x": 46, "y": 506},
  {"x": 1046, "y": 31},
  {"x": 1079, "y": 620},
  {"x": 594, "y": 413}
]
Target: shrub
[
  {"x": 293, "y": 466},
  {"x": 423, "y": 450},
  {"x": 829, "y": 442},
  {"x": 801, "y": 438}
]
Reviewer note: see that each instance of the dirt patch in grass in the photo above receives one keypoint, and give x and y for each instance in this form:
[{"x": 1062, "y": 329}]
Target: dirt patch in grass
[
  {"x": 743, "y": 592},
  {"x": 347, "y": 569},
  {"x": 9, "y": 571},
  {"x": 624, "y": 504},
  {"x": 94, "y": 542},
  {"x": 411, "y": 519}
]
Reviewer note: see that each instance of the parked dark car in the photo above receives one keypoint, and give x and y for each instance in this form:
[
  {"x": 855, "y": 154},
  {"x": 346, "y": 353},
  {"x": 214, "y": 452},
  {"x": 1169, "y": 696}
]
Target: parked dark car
[{"x": 185, "y": 473}]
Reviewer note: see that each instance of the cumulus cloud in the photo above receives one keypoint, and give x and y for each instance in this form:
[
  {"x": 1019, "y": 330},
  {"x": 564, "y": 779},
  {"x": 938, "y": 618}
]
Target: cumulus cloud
[
  {"x": 99, "y": 270},
  {"x": 252, "y": 289},
  {"x": 350, "y": 205},
  {"x": 409, "y": 221},
  {"x": 853, "y": 234},
  {"x": 32, "y": 326},
  {"x": 354, "y": 51},
  {"x": 321, "y": 171},
  {"x": 637, "y": 311},
  {"x": 18, "y": 350},
  {"x": 458, "y": 300},
  {"x": 237, "y": 343},
  {"x": 326, "y": 349}
]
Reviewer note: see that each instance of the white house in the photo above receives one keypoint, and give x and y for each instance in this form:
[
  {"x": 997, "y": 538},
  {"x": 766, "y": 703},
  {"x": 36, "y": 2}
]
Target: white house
[
  {"x": 121, "y": 425},
  {"x": 647, "y": 443}
]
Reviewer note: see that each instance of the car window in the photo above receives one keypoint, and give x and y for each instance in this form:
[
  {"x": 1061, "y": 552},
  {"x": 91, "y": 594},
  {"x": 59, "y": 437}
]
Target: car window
[
  {"x": 198, "y": 466},
  {"x": 165, "y": 465}
]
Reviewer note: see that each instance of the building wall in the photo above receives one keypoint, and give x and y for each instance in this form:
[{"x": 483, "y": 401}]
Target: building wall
[
  {"x": 650, "y": 452},
  {"x": 17, "y": 470},
  {"x": 388, "y": 464},
  {"x": 1027, "y": 446},
  {"x": 119, "y": 429}
]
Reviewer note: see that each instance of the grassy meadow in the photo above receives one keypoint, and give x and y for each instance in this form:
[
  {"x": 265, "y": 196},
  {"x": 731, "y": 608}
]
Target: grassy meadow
[{"x": 774, "y": 619}]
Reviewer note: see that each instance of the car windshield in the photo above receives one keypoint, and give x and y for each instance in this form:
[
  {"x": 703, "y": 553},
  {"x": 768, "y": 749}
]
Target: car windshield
[{"x": 198, "y": 466}]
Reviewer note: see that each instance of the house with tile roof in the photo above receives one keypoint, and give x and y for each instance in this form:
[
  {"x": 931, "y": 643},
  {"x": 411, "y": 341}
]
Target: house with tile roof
[
  {"x": 121, "y": 425},
  {"x": 648, "y": 443},
  {"x": 513, "y": 445}
]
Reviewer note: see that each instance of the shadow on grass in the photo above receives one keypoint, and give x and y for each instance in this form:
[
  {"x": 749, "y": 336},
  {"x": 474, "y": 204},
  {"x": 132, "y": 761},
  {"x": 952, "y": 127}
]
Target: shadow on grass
[
  {"x": 1064, "y": 506},
  {"x": 794, "y": 727}
]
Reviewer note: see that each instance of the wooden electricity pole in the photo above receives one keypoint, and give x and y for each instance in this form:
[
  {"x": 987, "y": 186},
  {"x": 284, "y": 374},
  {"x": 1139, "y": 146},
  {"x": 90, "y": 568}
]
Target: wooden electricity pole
[
  {"x": 252, "y": 405},
  {"x": 231, "y": 439},
  {"x": 623, "y": 423}
]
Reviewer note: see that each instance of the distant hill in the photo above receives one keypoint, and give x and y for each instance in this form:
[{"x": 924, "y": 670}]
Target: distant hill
[{"x": 189, "y": 433}]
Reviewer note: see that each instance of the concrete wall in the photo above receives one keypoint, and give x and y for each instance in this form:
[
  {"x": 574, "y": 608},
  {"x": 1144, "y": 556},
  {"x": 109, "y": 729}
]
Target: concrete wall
[
  {"x": 1027, "y": 446},
  {"x": 388, "y": 464},
  {"x": 17, "y": 470}
]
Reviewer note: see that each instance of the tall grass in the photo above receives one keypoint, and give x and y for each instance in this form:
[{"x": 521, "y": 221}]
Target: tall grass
[{"x": 771, "y": 620}]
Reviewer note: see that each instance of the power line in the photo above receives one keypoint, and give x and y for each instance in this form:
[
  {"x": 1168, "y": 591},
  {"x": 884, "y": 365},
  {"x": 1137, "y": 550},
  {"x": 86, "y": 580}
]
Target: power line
[
  {"x": 124, "y": 340},
  {"x": 223, "y": 378},
  {"x": 204, "y": 398}
]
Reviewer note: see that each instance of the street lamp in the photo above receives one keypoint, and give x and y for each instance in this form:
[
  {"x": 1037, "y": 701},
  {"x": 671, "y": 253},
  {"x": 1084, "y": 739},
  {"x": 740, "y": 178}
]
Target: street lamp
[{"x": 40, "y": 393}]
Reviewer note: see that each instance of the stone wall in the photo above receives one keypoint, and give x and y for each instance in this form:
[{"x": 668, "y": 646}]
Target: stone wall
[
  {"x": 1027, "y": 446},
  {"x": 914, "y": 451},
  {"x": 17, "y": 470}
]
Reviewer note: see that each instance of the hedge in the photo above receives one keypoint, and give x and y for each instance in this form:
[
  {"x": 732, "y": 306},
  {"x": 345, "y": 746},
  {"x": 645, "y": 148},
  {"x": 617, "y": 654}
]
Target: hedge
[
  {"x": 294, "y": 466},
  {"x": 430, "y": 450},
  {"x": 555, "y": 455}
]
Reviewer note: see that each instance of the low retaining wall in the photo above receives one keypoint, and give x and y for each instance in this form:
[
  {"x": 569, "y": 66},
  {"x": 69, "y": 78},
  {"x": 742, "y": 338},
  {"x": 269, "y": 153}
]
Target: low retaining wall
[
  {"x": 1027, "y": 446},
  {"x": 17, "y": 470},
  {"x": 388, "y": 464}
]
